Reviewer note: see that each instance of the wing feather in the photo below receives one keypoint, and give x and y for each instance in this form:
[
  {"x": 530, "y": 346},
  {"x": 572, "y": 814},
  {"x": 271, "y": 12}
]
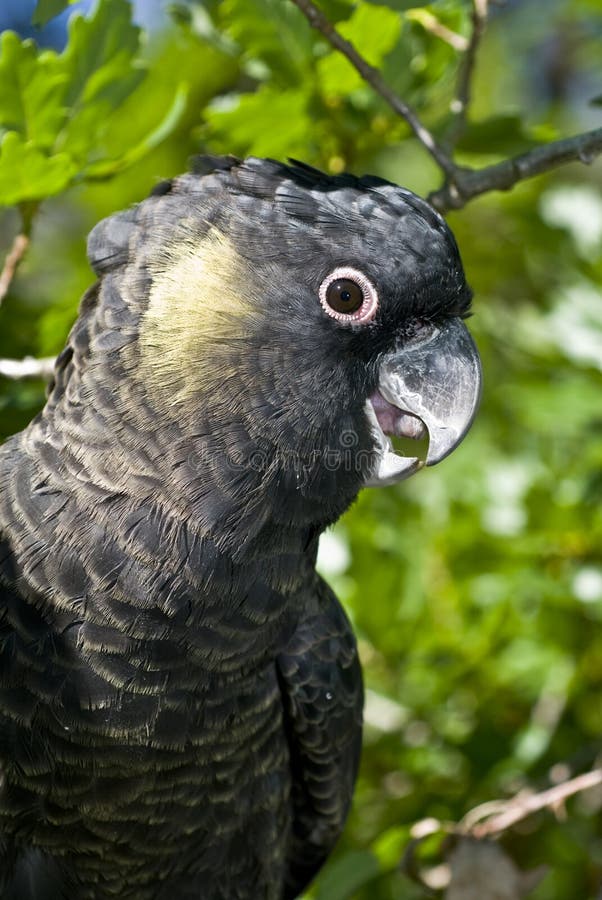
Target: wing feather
[{"x": 322, "y": 690}]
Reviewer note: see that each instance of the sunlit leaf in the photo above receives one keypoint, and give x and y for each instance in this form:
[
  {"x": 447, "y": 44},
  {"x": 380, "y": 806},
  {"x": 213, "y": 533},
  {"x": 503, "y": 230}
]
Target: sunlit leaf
[
  {"x": 106, "y": 168},
  {"x": 32, "y": 86},
  {"x": 101, "y": 48},
  {"x": 48, "y": 9},
  {"x": 273, "y": 31},
  {"x": 26, "y": 173},
  {"x": 373, "y": 31},
  {"x": 248, "y": 125}
]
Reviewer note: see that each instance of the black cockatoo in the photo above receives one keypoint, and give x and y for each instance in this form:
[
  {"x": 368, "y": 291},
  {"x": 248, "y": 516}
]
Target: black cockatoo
[{"x": 180, "y": 695}]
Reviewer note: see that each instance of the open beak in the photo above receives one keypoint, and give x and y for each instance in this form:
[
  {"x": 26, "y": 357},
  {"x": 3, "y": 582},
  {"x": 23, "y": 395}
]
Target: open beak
[{"x": 433, "y": 387}]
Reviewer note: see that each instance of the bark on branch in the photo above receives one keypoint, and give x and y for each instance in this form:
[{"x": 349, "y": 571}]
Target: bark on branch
[
  {"x": 473, "y": 864},
  {"x": 461, "y": 183},
  {"x": 505, "y": 815},
  {"x": 372, "y": 76},
  {"x": 17, "y": 369},
  {"x": 12, "y": 263},
  {"x": 470, "y": 183},
  {"x": 460, "y": 106}
]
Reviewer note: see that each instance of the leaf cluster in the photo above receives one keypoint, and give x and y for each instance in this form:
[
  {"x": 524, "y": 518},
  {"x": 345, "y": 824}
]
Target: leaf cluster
[
  {"x": 56, "y": 109},
  {"x": 313, "y": 96}
]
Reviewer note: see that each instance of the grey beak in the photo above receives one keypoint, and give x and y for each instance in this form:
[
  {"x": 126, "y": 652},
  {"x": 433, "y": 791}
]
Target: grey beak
[{"x": 439, "y": 381}]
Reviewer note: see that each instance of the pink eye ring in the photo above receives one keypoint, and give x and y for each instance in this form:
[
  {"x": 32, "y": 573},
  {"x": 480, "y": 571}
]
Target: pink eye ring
[{"x": 348, "y": 296}]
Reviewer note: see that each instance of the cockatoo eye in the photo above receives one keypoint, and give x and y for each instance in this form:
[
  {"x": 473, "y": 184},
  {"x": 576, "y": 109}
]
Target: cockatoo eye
[
  {"x": 344, "y": 295},
  {"x": 348, "y": 296}
]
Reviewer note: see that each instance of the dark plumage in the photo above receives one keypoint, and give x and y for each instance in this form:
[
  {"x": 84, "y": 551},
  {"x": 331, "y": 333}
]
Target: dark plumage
[{"x": 180, "y": 695}]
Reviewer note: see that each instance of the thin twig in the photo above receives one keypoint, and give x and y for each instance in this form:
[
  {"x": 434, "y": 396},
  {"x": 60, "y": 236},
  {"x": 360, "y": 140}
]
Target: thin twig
[
  {"x": 522, "y": 806},
  {"x": 461, "y": 103},
  {"x": 17, "y": 369},
  {"x": 372, "y": 76},
  {"x": 461, "y": 183},
  {"x": 432, "y": 24},
  {"x": 469, "y": 183},
  {"x": 12, "y": 263}
]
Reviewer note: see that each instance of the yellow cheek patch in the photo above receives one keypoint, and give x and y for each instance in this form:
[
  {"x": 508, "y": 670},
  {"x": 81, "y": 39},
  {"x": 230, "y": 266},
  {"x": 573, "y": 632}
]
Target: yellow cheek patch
[{"x": 200, "y": 298}]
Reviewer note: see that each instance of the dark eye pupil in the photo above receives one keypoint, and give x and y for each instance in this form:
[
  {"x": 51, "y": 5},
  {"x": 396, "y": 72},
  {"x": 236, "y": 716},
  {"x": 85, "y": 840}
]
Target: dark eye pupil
[{"x": 344, "y": 295}]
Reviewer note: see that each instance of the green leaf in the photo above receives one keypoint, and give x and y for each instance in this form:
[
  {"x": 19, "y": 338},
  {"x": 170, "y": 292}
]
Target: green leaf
[
  {"x": 389, "y": 846},
  {"x": 346, "y": 875},
  {"x": 374, "y": 32},
  {"x": 248, "y": 127},
  {"x": 55, "y": 109},
  {"x": 48, "y": 9},
  {"x": 180, "y": 13},
  {"x": 26, "y": 173},
  {"x": 101, "y": 49},
  {"x": 107, "y": 168},
  {"x": 337, "y": 10},
  {"x": 272, "y": 31},
  {"x": 102, "y": 67},
  {"x": 64, "y": 103},
  {"x": 399, "y": 5},
  {"x": 31, "y": 90}
]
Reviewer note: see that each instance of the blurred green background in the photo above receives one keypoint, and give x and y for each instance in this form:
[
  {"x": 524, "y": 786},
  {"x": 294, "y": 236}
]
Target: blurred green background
[{"x": 475, "y": 588}]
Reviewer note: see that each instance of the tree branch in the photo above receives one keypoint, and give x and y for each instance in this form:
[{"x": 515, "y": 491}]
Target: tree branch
[
  {"x": 462, "y": 183},
  {"x": 522, "y": 806},
  {"x": 469, "y": 183},
  {"x": 460, "y": 105},
  {"x": 17, "y": 369},
  {"x": 12, "y": 263},
  {"x": 19, "y": 247},
  {"x": 372, "y": 76},
  {"x": 432, "y": 24}
]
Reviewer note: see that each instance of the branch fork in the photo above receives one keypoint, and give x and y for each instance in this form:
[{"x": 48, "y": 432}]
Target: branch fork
[{"x": 460, "y": 183}]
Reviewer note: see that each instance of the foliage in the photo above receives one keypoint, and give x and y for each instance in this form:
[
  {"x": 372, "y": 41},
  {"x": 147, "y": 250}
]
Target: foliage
[
  {"x": 56, "y": 109},
  {"x": 475, "y": 587},
  {"x": 335, "y": 117},
  {"x": 47, "y": 9}
]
